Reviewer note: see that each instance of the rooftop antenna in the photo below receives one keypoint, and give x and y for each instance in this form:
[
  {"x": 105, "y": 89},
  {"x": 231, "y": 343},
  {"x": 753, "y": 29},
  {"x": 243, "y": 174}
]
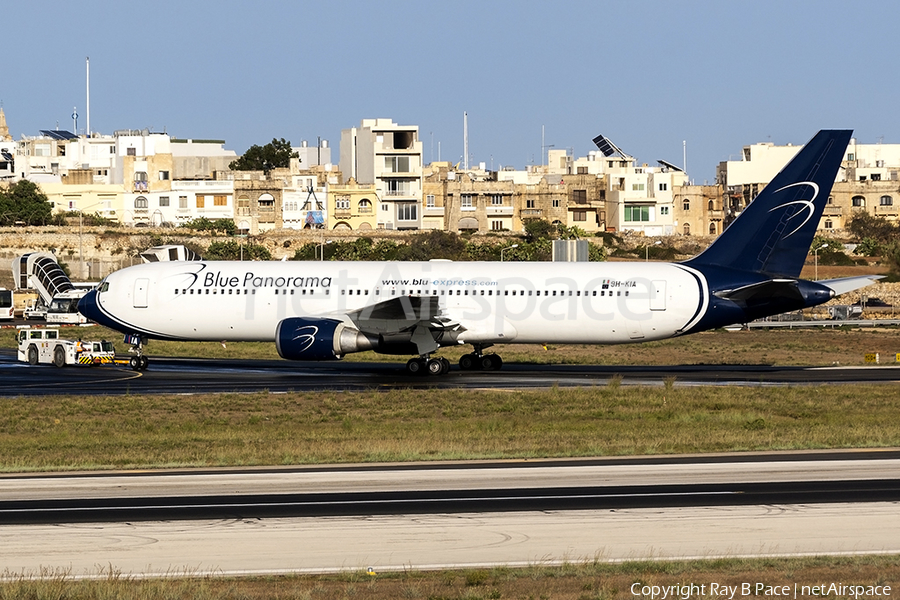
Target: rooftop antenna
[
  {"x": 465, "y": 141},
  {"x": 75, "y": 119},
  {"x": 87, "y": 61}
]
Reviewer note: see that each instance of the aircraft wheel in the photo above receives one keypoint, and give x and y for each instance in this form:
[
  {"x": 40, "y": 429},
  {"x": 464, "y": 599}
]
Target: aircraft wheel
[
  {"x": 415, "y": 366},
  {"x": 135, "y": 363},
  {"x": 32, "y": 355},
  {"x": 59, "y": 356},
  {"x": 435, "y": 366},
  {"x": 145, "y": 362},
  {"x": 446, "y": 364},
  {"x": 468, "y": 362},
  {"x": 491, "y": 362}
]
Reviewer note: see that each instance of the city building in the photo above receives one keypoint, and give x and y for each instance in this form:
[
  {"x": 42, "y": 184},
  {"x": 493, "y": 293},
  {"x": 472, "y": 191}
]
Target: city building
[
  {"x": 869, "y": 180},
  {"x": 387, "y": 156}
]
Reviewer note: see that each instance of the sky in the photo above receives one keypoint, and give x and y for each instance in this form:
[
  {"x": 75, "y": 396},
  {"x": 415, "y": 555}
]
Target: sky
[{"x": 656, "y": 77}]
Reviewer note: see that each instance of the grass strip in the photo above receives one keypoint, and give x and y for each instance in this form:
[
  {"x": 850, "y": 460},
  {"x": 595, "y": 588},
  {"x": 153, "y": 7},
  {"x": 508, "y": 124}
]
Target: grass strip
[
  {"x": 844, "y": 345},
  {"x": 158, "y": 431},
  {"x": 591, "y": 580}
]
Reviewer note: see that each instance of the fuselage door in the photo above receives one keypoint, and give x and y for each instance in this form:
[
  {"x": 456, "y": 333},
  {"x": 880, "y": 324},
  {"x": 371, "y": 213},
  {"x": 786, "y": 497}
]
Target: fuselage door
[
  {"x": 658, "y": 295},
  {"x": 141, "y": 287}
]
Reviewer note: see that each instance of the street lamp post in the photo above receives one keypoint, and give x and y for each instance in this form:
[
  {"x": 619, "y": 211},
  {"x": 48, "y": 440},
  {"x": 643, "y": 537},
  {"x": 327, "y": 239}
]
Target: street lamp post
[
  {"x": 322, "y": 249},
  {"x": 502, "y": 250},
  {"x": 647, "y": 250},
  {"x": 816, "y": 257}
]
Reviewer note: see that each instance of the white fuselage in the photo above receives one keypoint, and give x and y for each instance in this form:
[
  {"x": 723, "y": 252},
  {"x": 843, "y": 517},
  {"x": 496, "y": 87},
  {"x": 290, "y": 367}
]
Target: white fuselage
[{"x": 591, "y": 303}]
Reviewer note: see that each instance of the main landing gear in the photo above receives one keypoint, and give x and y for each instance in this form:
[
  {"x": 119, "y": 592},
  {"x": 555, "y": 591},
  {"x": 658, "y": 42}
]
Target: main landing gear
[
  {"x": 480, "y": 362},
  {"x": 475, "y": 361},
  {"x": 423, "y": 365}
]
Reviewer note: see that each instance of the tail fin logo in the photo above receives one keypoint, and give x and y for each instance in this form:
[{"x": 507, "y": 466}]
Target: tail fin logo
[{"x": 805, "y": 204}]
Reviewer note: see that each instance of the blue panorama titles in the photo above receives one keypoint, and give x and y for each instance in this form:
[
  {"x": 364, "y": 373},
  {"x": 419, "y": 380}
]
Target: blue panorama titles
[{"x": 217, "y": 280}]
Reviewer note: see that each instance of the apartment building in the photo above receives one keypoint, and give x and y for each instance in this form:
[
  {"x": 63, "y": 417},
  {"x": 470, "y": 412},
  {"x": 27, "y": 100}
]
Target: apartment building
[
  {"x": 699, "y": 210},
  {"x": 869, "y": 180},
  {"x": 7, "y": 150},
  {"x": 387, "y": 156},
  {"x": 134, "y": 177},
  {"x": 641, "y": 199},
  {"x": 353, "y": 206}
]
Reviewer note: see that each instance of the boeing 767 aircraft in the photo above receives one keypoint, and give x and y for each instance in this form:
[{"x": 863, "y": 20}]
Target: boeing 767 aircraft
[{"x": 324, "y": 310}]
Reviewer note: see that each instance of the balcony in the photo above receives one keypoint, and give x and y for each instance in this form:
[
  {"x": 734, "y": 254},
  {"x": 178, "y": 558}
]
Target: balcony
[
  {"x": 532, "y": 212},
  {"x": 434, "y": 211},
  {"x": 496, "y": 210}
]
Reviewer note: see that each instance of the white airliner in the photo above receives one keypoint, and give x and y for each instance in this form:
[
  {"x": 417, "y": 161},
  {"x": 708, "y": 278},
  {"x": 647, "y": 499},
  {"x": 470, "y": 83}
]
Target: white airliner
[{"x": 325, "y": 310}]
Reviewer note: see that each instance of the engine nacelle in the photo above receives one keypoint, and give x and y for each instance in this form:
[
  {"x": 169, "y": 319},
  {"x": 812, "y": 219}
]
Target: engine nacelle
[{"x": 300, "y": 338}]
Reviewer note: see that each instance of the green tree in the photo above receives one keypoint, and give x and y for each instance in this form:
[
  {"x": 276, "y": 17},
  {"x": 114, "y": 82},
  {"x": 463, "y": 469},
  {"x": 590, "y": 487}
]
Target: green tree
[
  {"x": 24, "y": 202},
  {"x": 868, "y": 247},
  {"x": 891, "y": 257},
  {"x": 226, "y": 226},
  {"x": 538, "y": 229},
  {"x": 276, "y": 154},
  {"x": 862, "y": 225},
  {"x": 232, "y": 250}
]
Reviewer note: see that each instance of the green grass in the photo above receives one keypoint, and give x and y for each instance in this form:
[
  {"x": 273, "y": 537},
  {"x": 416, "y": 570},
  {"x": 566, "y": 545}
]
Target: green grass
[
  {"x": 65, "y": 433},
  {"x": 592, "y": 580}
]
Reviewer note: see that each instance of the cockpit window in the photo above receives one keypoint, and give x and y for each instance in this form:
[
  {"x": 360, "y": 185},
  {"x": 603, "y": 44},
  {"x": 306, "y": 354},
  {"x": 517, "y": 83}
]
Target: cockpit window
[{"x": 104, "y": 286}]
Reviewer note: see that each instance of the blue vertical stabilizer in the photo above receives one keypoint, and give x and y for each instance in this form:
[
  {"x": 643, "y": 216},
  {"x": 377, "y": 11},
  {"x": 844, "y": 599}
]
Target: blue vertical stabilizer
[{"x": 773, "y": 234}]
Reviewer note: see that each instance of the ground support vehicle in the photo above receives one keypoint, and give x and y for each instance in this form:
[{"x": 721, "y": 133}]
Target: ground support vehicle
[
  {"x": 44, "y": 346},
  {"x": 35, "y": 309}
]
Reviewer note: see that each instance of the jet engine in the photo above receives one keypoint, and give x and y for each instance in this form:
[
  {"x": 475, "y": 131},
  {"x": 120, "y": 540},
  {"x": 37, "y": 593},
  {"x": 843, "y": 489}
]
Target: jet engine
[{"x": 301, "y": 338}]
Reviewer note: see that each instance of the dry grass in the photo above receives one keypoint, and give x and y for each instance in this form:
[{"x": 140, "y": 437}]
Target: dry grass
[
  {"x": 64, "y": 433},
  {"x": 592, "y": 580}
]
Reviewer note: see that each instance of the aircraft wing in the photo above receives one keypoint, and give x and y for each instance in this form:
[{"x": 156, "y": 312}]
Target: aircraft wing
[{"x": 420, "y": 317}]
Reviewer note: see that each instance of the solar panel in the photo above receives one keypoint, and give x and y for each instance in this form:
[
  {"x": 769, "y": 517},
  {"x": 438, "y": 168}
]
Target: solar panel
[
  {"x": 605, "y": 146},
  {"x": 58, "y": 134},
  {"x": 669, "y": 165}
]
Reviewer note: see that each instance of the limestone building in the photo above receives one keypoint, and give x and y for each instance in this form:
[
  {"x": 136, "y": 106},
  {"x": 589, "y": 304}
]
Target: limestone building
[{"x": 388, "y": 157}]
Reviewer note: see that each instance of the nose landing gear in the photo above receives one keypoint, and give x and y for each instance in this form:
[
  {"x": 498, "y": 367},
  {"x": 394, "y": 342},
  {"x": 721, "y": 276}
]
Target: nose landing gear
[{"x": 138, "y": 362}]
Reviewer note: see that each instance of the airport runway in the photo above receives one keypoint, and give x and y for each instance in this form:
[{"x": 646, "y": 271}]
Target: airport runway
[
  {"x": 184, "y": 375},
  {"x": 674, "y": 519}
]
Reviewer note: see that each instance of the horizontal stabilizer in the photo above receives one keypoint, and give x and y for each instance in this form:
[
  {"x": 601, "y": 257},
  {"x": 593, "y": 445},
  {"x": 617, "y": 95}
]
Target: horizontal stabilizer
[
  {"x": 762, "y": 292},
  {"x": 848, "y": 284}
]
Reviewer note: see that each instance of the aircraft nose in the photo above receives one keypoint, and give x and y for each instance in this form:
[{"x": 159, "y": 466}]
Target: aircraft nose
[{"x": 87, "y": 306}]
